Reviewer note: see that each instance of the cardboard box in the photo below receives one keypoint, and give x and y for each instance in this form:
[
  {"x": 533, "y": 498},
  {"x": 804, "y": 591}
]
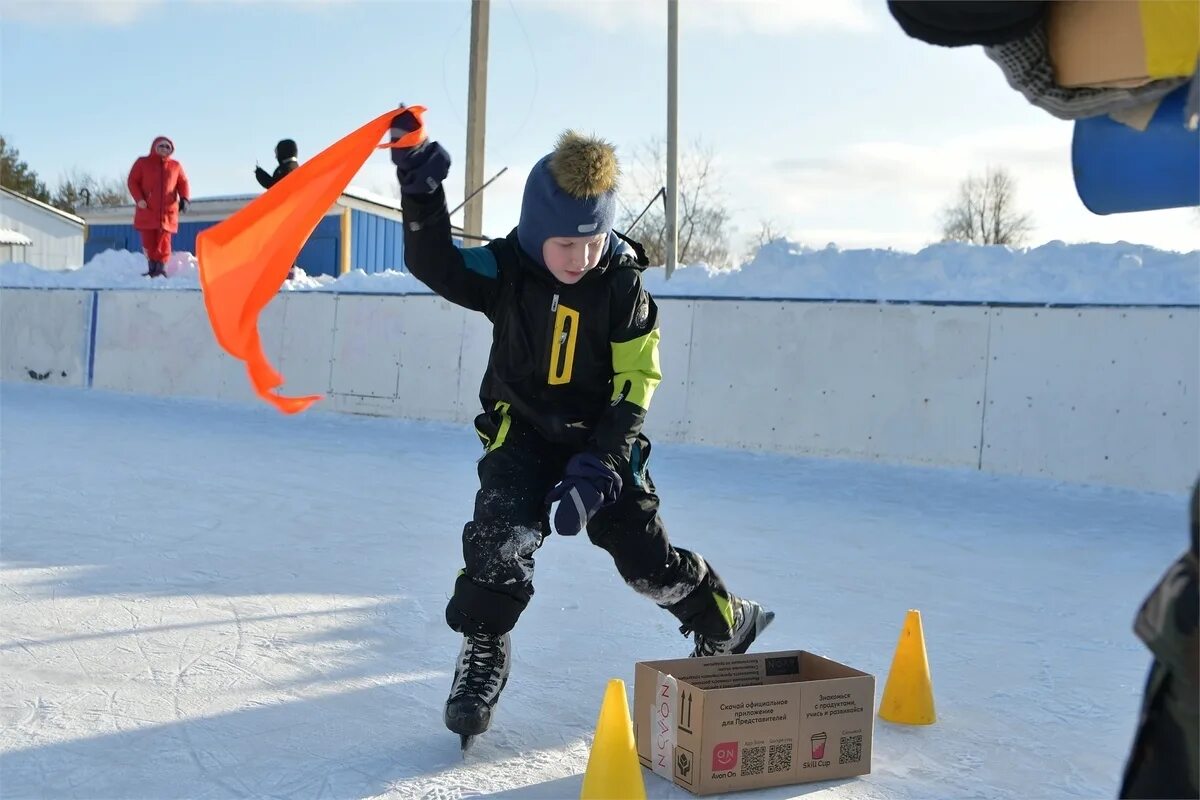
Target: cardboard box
[
  {"x": 1122, "y": 44},
  {"x": 728, "y": 723}
]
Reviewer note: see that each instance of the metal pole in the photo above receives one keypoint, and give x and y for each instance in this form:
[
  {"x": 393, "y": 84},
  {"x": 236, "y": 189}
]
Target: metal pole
[
  {"x": 467, "y": 199},
  {"x": 632, "y": 225},
  {"x": 476, "y": 117},
  {"x": 672, "y": 198}
]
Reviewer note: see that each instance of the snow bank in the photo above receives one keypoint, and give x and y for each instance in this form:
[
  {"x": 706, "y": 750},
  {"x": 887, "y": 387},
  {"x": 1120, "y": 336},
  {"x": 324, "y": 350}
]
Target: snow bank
[{"x": 1056, "y": 272}]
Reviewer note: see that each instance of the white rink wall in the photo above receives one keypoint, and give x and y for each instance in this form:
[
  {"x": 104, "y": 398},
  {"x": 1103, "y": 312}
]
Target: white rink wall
[{"x": 1097, "y": 394}]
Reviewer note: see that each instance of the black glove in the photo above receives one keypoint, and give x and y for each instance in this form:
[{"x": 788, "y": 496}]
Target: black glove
[
  {"x": 184, "y": 204},
  {"x": 262, "y": 176},
  {"x": 588, "y": 486},
  {"x": 422, "y": 167},
  {"x": 408, "y": 121}
]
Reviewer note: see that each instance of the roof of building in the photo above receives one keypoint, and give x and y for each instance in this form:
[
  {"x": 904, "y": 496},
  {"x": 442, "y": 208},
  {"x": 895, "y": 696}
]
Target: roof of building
[
  {"x": 219, "y": 206},
  {"x": 9, "y": 236},
  {"x": 42, "y": 206}
]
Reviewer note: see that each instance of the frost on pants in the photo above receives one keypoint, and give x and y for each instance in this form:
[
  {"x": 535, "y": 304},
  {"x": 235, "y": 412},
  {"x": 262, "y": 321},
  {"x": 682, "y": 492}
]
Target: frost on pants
[
  {"x": 672, "y": 593},
  {"x": 519, "y": 549},
  {"x": 502, "y": 551}
]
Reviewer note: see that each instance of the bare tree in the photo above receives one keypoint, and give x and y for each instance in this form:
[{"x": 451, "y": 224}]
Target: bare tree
[
  {"x": 985, "y": 211},
  {"x": 79, "y": 189},
  {"x": 769, "y": 230},
  {"x": 703, "y": 234}
]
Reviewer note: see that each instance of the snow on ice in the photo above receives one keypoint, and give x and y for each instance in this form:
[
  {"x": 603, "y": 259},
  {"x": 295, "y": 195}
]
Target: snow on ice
[{"x": 207, "y": 600}]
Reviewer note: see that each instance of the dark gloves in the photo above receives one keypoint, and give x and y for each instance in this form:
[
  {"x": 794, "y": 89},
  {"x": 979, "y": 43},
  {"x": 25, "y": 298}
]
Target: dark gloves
[
  {"x": 588, "y": 486},
  {"x": 407, "y": 126},
  {"x": 184, "y": 204},
  {"x": 421, "y": 165},
  {"x": 263, "y": 177}
]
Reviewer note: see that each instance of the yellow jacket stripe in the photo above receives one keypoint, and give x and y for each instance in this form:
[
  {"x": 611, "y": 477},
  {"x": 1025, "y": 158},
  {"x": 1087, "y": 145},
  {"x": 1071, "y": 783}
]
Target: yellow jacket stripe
[{"x": 636, "y": 370}]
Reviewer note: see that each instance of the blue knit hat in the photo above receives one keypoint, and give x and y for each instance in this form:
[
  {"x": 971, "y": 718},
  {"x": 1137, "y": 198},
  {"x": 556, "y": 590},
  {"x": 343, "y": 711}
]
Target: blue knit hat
[{"x": 570, "y": 192}]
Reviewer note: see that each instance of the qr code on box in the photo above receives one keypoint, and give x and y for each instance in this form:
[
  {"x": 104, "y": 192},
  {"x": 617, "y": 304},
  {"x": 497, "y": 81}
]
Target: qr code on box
[
  {"x": 780, "y": 757},
  {"x": 753, "y": 759},
  {"x": 851, "y": 752}
]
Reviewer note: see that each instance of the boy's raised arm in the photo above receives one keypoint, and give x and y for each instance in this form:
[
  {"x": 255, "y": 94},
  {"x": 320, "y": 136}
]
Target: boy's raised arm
[{"x": 466, "y": 277}]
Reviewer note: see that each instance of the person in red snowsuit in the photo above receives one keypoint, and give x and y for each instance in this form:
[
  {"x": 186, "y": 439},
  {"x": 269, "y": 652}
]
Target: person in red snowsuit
[{"x": 160, "y": 188}]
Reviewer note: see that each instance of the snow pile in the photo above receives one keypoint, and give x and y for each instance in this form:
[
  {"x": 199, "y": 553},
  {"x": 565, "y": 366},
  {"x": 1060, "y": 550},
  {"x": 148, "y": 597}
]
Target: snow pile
[
  {"x": 112, "y": 269},
  {"x": 1055, "y": 272},
  {"x": 388, "y": 282},
  {"x": 121, "y": 269}
]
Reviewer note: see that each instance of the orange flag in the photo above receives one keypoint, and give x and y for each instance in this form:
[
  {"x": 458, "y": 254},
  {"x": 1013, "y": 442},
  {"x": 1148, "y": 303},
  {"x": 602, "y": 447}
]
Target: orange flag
[{"x": 245, "y": 259}]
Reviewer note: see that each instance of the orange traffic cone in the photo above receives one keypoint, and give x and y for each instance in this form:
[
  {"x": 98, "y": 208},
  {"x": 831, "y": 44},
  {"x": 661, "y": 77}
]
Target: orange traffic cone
[{"x": 908, "y": 695}]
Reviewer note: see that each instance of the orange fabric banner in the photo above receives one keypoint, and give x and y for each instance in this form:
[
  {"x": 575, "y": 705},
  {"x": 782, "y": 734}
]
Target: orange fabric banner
[{"x": 245, "y": 259}]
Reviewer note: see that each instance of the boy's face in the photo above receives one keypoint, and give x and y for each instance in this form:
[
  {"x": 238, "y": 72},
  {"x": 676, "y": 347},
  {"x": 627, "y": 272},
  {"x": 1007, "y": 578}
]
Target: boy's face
[{"x": 570, "y": 257}]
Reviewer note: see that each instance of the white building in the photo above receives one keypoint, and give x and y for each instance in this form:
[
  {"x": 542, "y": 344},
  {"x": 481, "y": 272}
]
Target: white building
[
  {"x": 13, "y": 246},
  {"x": 39, "y": 234}
]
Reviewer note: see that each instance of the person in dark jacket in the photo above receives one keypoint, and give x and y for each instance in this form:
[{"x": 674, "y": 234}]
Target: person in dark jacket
[
  {"x": 960, "y": 23},
  {"x": 1164, "y": 761},
  {"x": 286, "y": 153},
  {"x": 574, "y": 364},
  {"x": 159, "y": 188}
]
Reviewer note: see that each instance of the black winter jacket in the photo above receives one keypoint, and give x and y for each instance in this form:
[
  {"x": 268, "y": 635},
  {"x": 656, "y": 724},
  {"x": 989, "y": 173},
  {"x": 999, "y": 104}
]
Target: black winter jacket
[
  {"x": 577, "y": 362},
  {"x": 268, "y": 180}
]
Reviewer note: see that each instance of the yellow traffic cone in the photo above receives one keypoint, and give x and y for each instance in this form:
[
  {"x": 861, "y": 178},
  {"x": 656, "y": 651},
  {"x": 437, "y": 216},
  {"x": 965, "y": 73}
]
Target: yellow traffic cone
[
  {"x": 908, "y": 695},
  {"x": 613, "y": 770}
]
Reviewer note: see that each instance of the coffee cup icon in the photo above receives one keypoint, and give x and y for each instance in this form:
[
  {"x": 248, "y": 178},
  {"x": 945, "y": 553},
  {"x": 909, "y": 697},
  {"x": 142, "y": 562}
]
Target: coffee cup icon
[{"x": 818, "y": 746}]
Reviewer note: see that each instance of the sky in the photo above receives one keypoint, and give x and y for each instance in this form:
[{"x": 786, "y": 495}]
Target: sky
[{"x": 822, "y": 118}]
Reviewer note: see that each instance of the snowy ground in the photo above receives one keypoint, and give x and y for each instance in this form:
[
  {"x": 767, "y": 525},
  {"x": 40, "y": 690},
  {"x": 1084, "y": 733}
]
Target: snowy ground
[{"x": 210, "y": 601}]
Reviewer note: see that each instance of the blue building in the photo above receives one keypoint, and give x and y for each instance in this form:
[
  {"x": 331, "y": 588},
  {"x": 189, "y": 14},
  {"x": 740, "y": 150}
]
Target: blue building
[{"x": 360, "y": 231}]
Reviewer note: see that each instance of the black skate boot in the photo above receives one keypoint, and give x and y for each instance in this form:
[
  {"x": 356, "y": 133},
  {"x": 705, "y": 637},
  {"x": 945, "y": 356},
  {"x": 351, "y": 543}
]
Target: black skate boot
[
  {"x": 479, "y": 676},
  {"x": 749, "y": 620}
]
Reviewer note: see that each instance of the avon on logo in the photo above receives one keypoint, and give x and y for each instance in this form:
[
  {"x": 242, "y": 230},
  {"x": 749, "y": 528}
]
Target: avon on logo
[{"x": 724, "y": 757}]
